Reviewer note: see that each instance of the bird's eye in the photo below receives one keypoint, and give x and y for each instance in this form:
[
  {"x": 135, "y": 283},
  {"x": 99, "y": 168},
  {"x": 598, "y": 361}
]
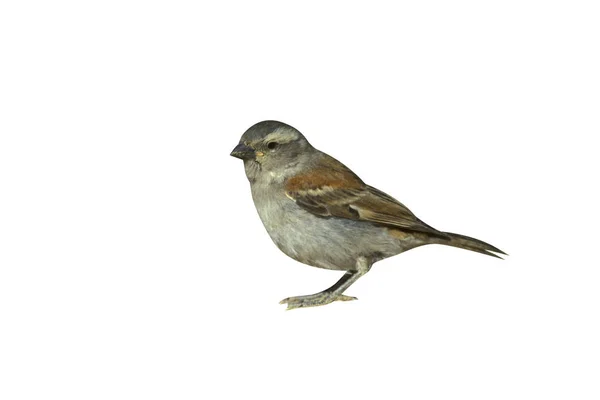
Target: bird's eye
[{"x": 272, "y": 145}]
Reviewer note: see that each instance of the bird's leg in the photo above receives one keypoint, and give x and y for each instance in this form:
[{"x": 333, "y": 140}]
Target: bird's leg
[{"x": 334, "y": 293}]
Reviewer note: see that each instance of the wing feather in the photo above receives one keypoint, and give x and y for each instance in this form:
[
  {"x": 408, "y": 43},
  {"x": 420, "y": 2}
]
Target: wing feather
[{"x": 333, "y": 190}]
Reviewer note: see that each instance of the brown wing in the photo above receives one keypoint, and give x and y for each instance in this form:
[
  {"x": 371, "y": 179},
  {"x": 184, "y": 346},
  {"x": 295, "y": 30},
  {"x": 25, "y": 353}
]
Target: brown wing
[{"x": 332, "y": 190}]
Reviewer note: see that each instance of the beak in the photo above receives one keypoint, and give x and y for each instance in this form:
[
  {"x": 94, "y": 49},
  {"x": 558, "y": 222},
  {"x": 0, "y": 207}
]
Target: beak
[{"x": 243, "y": 152}]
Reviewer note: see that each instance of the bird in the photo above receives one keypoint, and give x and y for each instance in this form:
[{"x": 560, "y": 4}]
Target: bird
[{"x": 320, "y": 213}]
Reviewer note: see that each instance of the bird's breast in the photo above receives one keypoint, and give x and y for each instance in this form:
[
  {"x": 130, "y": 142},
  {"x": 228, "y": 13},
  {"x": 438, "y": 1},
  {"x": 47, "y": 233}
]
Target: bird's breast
[
  {"x": 331, "y": 243},
  {"x": 275, "y": 210}
]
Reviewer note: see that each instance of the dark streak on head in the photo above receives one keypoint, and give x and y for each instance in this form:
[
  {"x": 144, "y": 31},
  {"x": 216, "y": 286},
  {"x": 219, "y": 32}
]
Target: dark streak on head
[{"x": 260, "y": 130}]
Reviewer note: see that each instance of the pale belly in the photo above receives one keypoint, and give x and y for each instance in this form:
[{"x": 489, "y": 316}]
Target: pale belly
[{"x": 331, "y": 243}]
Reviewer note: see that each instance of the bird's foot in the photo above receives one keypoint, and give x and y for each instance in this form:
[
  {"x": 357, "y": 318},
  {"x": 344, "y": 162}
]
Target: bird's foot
[{"x": 314, "y": 300}]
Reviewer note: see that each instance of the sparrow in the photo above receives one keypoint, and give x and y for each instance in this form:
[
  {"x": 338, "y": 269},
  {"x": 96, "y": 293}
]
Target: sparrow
[{"x": 320, "y": 213}]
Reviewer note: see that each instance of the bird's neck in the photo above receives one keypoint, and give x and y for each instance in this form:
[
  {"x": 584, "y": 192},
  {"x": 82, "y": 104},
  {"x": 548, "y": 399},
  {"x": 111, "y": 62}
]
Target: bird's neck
[{"x": 260, "y": 175}]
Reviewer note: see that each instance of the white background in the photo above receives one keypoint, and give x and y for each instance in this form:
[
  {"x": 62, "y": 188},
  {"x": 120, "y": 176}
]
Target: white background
[{"x": 133, "y": 264}]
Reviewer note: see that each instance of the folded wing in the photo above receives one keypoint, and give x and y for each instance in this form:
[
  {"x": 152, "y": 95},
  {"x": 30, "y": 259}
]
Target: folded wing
[{"x": 333, "y": 190}]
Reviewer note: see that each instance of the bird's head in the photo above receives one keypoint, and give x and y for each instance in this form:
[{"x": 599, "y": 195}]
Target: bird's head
[{"x": 271, "y": 146}]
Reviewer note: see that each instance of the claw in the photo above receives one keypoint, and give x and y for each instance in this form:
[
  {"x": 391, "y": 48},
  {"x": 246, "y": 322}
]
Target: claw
[{"x": 343, "y": 297}]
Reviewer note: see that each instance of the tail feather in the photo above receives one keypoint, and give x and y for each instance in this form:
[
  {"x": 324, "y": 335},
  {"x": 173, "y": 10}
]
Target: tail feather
[{"x": 469, "y": 243}]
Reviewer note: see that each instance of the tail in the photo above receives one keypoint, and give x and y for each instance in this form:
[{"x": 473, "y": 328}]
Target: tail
[{"x": 469, "y": 243}]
